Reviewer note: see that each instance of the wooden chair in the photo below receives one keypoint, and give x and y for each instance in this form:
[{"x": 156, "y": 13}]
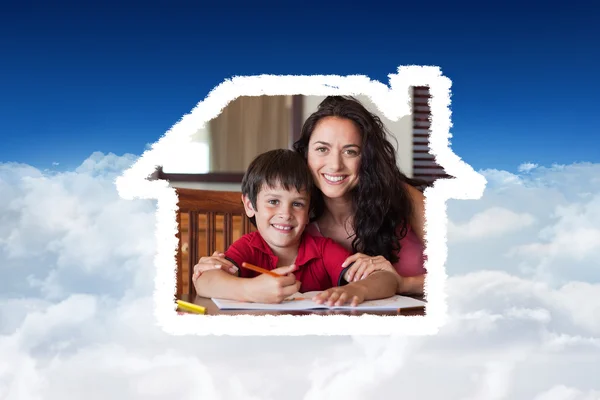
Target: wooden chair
[{"x": 208, "y": 221}]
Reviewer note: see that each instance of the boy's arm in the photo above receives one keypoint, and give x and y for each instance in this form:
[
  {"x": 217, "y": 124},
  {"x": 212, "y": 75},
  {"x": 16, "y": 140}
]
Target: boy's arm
[
  {"x": 411, "y": 284},
  {"x": 261, "y": 289},
  {"x": 216, "y": 283},
  {"x": 378, "y": 285},
  {"x": 220, "y": 284}
]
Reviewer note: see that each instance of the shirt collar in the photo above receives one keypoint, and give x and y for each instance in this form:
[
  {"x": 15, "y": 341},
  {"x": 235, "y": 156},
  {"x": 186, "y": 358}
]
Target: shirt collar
[{"x": 307, "y": 251}]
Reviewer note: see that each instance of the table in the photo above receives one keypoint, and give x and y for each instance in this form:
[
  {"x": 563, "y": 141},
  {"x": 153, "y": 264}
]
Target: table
[{"x": 212, "y": 309}]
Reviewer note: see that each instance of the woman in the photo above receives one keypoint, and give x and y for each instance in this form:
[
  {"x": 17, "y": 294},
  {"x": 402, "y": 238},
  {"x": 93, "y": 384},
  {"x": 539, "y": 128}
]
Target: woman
[{"x": 363, "y": 201}]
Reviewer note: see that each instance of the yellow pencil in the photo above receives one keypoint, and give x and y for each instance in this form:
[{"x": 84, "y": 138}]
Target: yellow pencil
[{"x": 184, "y": 305}]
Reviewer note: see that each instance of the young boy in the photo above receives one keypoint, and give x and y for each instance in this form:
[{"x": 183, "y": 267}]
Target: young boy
[{"x": 276, "y": 195}]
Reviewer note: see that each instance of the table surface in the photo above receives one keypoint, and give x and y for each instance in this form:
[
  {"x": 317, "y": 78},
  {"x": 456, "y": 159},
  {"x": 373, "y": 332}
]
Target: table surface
[{"x": 212, "y": 309}]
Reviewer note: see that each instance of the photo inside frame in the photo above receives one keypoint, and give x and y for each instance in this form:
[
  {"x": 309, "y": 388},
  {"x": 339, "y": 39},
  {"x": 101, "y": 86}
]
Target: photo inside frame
[{"x": 208, "y": 174}]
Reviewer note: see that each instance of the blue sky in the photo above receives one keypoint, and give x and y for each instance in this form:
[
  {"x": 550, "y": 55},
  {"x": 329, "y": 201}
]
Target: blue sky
[
  {"x": 78, "y": 262},
  {"x": 76, "y": 80}
]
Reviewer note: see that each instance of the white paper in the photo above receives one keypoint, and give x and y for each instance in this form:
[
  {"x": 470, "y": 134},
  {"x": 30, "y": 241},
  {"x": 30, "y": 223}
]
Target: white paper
[{"x": 303, "y": 301}]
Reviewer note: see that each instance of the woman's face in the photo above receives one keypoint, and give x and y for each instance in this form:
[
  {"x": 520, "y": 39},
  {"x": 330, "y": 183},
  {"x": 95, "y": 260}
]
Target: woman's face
[{"x": 334, "y": 153}]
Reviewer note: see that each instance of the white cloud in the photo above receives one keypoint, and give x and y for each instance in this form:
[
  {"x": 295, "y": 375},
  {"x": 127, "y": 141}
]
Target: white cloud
[
  {"x": 76, "y": 309},
  {"x": 569, "y": 245},
  {"x": 492, "y": 222},
  {"x": 575, "y": 232},
  {"x": 109, "y": 164},
  {"x": 494, "y": 176},
  {"x": 561, "y": 392},
  {"x": 526, "y": 167},
  {"x": 67, "y": 228},
  {"x": 559, "y": 246}
]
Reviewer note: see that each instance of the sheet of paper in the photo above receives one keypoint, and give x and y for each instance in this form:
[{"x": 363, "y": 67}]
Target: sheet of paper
[
  {"x": 391, "y": 303},
  {"x": 303, "y": 301}
]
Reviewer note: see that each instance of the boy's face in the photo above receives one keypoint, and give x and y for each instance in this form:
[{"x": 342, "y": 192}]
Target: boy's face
[{"x": 281, "y": 215}]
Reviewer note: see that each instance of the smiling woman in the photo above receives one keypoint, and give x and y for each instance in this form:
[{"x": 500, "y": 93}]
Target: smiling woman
[{"x": 363, "y": 201}]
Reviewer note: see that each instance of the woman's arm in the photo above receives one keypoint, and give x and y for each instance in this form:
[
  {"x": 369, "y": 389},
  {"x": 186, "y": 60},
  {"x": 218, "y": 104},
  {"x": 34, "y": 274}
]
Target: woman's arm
[
  {"x": 417, "y": 220},
  {"x": 415, "y": 284}
]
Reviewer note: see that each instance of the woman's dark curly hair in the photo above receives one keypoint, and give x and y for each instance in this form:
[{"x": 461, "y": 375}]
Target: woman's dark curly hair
[{"x": 381, "y": 202}]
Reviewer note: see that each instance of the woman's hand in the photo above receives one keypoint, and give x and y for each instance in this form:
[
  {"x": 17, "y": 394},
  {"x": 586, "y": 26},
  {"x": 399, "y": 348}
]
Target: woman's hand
[
  {"x": 216, "y": 261},
  {"x": 364, "y": 266}
]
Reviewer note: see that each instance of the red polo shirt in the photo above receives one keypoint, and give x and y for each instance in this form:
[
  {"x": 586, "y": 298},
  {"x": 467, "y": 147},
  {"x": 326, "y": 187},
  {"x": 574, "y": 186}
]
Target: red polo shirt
[{"x": 319, "y": 260}]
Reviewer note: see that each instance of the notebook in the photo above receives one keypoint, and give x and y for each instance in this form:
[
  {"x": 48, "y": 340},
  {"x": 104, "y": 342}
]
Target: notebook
[{"x": 303, "y": 301}]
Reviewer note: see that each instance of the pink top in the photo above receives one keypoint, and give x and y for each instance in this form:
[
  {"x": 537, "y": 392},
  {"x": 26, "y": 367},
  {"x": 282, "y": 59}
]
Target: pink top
[{"x": 410, "y": 258}]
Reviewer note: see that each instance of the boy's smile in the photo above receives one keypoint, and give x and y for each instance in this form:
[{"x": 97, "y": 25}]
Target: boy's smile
[
  {"x": 281, "y": 216},
  {"x": 283, "y": 228}
]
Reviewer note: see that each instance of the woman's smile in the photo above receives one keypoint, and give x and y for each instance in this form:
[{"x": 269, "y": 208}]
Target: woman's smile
[{"x": 334, "y": 179}]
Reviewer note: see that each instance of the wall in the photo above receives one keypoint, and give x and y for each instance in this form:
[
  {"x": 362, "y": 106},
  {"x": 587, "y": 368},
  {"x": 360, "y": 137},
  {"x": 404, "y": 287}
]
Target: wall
[
  {"x": 196, "y": 160},
  {"x": 262, "y": 117}
]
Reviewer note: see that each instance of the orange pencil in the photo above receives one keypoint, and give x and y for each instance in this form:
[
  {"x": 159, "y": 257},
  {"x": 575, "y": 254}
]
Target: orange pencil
[{"x": 259, "y": 270}]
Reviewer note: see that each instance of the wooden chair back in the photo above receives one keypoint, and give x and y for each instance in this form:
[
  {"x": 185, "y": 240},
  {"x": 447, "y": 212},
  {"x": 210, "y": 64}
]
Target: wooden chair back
[{"x": 208, "y": 220}]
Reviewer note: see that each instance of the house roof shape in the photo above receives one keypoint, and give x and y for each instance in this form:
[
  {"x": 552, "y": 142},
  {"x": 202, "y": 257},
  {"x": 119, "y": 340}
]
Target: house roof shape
[{"x": 394, "y": 102}]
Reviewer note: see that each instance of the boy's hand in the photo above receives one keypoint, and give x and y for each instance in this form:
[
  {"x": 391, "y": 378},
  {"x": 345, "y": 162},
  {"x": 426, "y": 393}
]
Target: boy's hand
[
  {"x": 353, "y": 293},
  {"x": 268, "y": 289},
  {"x": 364, "y": 266},
  {"x": 216, "y": 261}
]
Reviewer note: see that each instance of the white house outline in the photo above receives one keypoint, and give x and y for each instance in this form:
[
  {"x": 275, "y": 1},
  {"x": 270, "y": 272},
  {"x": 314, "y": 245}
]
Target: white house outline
[{"x": 394, "y": 103}]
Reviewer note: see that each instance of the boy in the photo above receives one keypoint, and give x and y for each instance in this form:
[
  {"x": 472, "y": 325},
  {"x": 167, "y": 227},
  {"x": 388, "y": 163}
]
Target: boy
[{"x": 276, "y": 196}]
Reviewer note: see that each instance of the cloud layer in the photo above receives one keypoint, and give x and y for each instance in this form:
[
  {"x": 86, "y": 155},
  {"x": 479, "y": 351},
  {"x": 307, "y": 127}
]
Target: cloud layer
[{"x": 76, "y": 309}]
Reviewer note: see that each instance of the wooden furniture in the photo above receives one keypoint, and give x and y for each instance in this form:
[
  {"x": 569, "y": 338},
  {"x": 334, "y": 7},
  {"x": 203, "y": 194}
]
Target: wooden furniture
[
  {"x": 212, "y": 309},
  {"x": 208, "y": 221}
]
